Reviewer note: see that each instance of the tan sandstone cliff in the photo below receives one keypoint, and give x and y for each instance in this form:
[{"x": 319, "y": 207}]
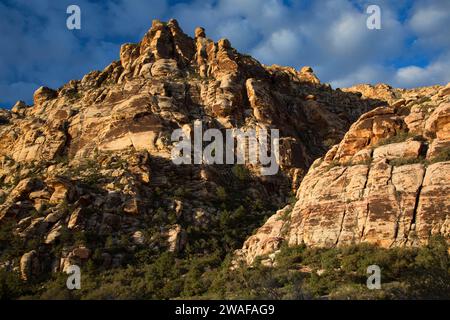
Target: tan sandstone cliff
[
  {"x": 387, "y": 182},
  {"x": 86, "y": 169}
]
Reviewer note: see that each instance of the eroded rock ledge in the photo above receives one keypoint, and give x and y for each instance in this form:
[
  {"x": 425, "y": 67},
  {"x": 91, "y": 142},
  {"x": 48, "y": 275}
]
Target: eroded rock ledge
[
  {"x": 386, "y": 183},
  {"x": 86, "y": 173}
]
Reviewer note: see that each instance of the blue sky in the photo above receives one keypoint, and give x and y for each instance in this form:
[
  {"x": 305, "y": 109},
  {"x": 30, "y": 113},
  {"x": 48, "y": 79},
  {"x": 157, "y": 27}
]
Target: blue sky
[{"x": 411, "y": 49}]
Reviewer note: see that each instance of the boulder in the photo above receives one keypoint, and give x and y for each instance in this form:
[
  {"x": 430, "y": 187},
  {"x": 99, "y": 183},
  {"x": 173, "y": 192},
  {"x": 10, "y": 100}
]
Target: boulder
[
  {"x": 138, "y": 237},
  {"x": 43, "y": 94},
  {"x": 19, "y": 107},
  {"x": 407, "y": 149},
  {"x": 53, "y": 235},
  {"x": 176, "y": 238},
  {"x": 74, "y": 219},
  {"x": 199, "y": 32},
  {"x": 437, "y": 147},
  {"x": 268, "y": 238},
  {"x": 29, "y": 265},
  {"x": 438, "y": 123},
  {"x": 445, "y": 91},
  {"x": 370, "y": 128},
  {"x": 62, "y": 189}
]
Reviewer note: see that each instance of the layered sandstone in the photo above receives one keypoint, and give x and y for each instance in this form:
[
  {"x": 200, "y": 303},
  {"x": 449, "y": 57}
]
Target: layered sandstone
[
  {"x": 86, "y": 170},
  {"x": 168, "y": 80},
  {"x": 386, "y": 182},
  {"x": 93, "y": 156}
]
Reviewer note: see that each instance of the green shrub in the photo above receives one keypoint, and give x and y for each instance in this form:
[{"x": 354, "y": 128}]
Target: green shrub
[
  {"x": 241, "y": 172},
  {"x": 404, "y": 161},
  {"x": 407, "y": 273},
  {"x": 399, "y": 136},
  {"x": 180, "y": 192},
  {"x": 11, "y": 286},
  {"x": 443, "y": 155},
  {"x": 221, "y": 193},
  {"x": 290, "y": 256}
]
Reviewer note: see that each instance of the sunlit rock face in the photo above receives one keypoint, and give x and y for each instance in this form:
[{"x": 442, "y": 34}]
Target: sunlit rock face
[
  {"x": 167, "y": 81},
  {"x": 385, "y": 183},
  {"x": 92, "y": 159}
]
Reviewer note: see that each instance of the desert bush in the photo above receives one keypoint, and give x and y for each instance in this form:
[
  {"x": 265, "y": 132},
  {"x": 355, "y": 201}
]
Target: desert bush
[
  {"x": 221, "y": 193},
  {"x": 443, "y": 155},
  {"x": 241, "y": 172},
  {"x": 400, "y": 136},
  {"x": 404, "y": 161},
  {"x": 11, "y": 286}
]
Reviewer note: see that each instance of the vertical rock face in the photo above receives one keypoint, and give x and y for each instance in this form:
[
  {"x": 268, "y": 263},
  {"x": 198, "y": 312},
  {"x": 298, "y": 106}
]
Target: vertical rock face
[
  {"x": 168, "y": 80},
  {"x": 93, "y": 158},
  {"x": 386, "y": 183},
  {"x": 29, "y": 265},
  {"x": 268, "y": 238}
]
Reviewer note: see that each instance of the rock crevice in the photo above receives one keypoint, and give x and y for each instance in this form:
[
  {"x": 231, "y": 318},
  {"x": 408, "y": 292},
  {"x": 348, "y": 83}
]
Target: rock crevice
[{"x": 379, "y": 185}]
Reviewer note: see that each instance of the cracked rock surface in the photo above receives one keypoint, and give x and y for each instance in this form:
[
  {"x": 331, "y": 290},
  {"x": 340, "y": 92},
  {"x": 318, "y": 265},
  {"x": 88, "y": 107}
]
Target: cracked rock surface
[
  {"x": 86, "y": 173},
  {"x": 386, "y": 183}
]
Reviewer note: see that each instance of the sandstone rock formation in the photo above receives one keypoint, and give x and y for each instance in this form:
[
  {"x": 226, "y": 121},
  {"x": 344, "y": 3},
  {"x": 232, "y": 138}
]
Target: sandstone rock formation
[
  {"x": 165, "y": 82},
  {"x": 386, "y": 182},
  {"x": 86, "y": 171},
  {"x": 29, "y": 265}
]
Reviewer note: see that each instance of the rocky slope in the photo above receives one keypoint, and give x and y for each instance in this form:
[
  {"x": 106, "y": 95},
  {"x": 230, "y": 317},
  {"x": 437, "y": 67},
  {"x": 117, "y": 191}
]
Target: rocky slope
[
  {"x": 86, "y": 170},
  {"x": 386, "y": 182}
]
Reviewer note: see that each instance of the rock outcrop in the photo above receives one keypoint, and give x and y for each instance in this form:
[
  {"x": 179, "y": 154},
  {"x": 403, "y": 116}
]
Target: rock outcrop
[
  {"x": 29, "y": 265},
  {"x": 167, "y": 81},
  {"x": 86, "y": 171},
  {"x": 386, "y": 183}
]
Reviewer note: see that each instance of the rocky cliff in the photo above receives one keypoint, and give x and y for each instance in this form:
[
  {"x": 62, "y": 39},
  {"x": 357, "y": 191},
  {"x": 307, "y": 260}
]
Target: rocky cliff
[
  {"x": 86, "y": 173},
  {"x": 386, "y": 182},
  {"x": 86, "y": 170}
]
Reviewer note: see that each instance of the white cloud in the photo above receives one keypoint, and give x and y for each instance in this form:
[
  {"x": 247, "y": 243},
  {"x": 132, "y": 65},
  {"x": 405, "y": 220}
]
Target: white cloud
[
  {"x": 281, "y": 47},
  {"x": 429, "y": 22},
  {"x": 411, "y": 75},
  {"x": 435, "y": 73},
  {"x": 364, "y": 74},
  {"x": 240, "y": 31}
]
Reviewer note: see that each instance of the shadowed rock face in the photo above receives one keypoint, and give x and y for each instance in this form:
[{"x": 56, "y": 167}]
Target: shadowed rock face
[
  {"x": 93, "y": 157},
  {"x": 386, "y": 182}
]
